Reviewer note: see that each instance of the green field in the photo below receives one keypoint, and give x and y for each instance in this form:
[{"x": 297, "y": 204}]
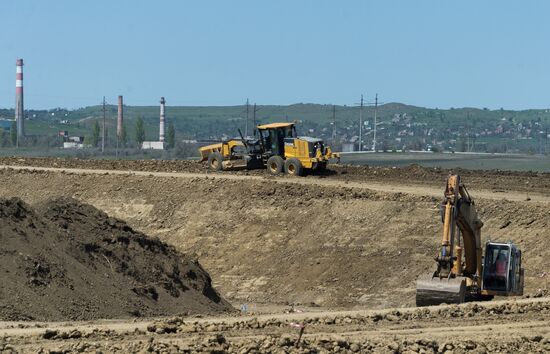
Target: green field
[{"x": 510, "y": 162}]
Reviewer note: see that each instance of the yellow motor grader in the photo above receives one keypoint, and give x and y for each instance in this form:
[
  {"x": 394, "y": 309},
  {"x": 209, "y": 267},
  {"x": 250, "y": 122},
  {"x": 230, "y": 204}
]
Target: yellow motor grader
[{"x": 277, "y": 148}]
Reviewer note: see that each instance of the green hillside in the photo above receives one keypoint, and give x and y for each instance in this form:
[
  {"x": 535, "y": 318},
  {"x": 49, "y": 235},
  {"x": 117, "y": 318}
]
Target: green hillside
[{"x": 400, "y": 126}]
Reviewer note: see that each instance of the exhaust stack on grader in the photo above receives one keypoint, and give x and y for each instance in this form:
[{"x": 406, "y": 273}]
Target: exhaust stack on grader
[{"x": 277, "y": 148}]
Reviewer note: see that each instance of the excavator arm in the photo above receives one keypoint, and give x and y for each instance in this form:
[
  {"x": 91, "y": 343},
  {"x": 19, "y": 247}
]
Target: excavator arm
[
  {"x": 461, "y": 232},
  {"x": 459, "y": 258}
]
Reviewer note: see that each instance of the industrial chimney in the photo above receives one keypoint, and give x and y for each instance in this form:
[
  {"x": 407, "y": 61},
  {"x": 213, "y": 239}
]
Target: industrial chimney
[
  {"x": 19, "y": 112},
  {"x": 161, "y": 135},
  {"x": 119, "y": 118}
]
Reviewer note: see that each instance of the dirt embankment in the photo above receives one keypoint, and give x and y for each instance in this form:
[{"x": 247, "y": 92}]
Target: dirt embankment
[
  {"x": 495, "y": 180},
  {"x": 63, "y": 260},
  {"x": 277, "y": 243}
]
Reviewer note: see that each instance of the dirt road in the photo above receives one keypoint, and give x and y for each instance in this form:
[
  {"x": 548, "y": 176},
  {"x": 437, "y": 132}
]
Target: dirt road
[
  {"x": 505, "y": 326},
  {"x": 392, "y": 187},
  {"x": 492, "y": 180}
]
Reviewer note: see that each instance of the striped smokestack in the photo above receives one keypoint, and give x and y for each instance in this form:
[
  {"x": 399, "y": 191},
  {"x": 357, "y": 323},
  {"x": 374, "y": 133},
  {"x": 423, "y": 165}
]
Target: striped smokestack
[
  {"x": 161, "y": 134},
  {"x": 119, "y": 117},
  {"x": 19, "y": 112}
]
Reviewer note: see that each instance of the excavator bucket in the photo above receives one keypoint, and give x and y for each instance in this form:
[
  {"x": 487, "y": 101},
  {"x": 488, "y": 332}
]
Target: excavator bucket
[{"x": 432, "y": 290}]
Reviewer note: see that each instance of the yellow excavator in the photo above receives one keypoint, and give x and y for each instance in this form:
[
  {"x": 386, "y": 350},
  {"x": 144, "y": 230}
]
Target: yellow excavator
[
  {"x": 463, "y": 272},
  {"x": 277, "y": 148}
]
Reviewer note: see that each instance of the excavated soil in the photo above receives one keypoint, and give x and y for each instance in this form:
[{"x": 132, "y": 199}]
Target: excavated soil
[
  {"x": 271, "y": 242},
  {"x": 64, "y": 260}
]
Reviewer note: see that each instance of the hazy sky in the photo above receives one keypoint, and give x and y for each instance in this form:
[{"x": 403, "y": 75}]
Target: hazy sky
[{"x": 429, "y": 53}]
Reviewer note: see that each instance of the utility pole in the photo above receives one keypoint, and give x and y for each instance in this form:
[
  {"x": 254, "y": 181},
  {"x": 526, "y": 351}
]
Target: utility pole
[
  {"x": 246, "y": 121},
  {"x": 468, "y": 130},
  {"x": 375, "y": 122},
  {"x": 254, "y": 118},
  {"x": 116, "y": 151},
  {"x": 376, "y": 103},
  {"x": 103, "y": 132},
  {"x": 361, "y": 125},
  {"x": 546, "y": 141},
  {"x": 333, "y": 125}
]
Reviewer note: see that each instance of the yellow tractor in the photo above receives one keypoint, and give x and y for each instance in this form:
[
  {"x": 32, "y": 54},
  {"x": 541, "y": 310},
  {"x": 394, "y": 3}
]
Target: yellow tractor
[{"x": 277, "y": 148}]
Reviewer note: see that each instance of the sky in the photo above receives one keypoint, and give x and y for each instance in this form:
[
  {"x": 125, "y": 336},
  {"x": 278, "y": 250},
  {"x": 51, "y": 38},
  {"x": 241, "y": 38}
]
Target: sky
[{"x": 424, "y": 52}]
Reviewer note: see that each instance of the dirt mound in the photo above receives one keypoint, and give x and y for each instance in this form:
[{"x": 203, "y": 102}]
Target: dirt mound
[{"x": 64, "y": 260}]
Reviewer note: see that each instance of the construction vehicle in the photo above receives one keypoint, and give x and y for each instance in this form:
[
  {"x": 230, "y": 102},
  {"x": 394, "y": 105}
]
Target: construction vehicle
[
  {"x": 463, "y": 272},
  {"x": 277, "y": 148}
]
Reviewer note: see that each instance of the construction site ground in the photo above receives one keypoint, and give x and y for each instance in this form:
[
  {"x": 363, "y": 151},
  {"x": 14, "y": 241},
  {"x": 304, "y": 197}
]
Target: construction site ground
[{"x": 343, "y": 248}]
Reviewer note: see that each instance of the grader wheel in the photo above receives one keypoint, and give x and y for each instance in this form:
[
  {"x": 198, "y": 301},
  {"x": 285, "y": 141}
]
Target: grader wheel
[
  {"x": 293, "y": 167},
  {"x": 275, "y": 165},
  {"x": 215, "y": 161}
]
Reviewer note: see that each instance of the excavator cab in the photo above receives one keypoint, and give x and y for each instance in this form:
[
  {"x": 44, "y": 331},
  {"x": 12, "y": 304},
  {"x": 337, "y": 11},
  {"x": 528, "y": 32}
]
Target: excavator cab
[{"x": 502, "y": 272}]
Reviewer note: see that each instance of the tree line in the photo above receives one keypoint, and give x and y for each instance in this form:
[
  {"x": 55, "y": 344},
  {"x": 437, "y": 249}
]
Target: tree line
[{"x": 123, "y": 141}]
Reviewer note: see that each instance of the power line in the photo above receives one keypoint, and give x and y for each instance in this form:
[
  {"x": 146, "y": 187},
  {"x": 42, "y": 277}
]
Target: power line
[
  {"x": 246, "y": 121},
  {"x": 254, "y": 118},
  {"x": 333, "y": 125},
  {"x": 361, "y": 124},
  {"x": 103, "y": 133},
  {"x": 376, "y": 103}
]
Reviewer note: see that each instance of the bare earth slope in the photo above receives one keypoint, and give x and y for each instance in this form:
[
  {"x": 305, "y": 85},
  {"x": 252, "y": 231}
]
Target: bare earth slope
[{"x": 268, "y": 241}]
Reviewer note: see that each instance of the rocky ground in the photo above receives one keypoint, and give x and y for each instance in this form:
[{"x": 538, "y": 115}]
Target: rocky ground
[{"x": 506, "y": 327}]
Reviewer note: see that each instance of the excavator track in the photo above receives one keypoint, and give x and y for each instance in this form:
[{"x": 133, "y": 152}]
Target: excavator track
[{"x": 431, "y": 291}]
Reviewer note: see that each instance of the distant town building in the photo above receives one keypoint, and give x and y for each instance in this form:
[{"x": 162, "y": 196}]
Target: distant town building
[
  {"x": 348, "y": 147},
  {"x": 72, "y": 145},
  {"x": 152, "y": 145},
  {"x": 71, "y": 142}
]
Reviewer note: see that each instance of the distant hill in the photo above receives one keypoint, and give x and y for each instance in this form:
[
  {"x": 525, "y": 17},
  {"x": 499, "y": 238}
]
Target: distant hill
[{"x": 213, "y": 122}]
